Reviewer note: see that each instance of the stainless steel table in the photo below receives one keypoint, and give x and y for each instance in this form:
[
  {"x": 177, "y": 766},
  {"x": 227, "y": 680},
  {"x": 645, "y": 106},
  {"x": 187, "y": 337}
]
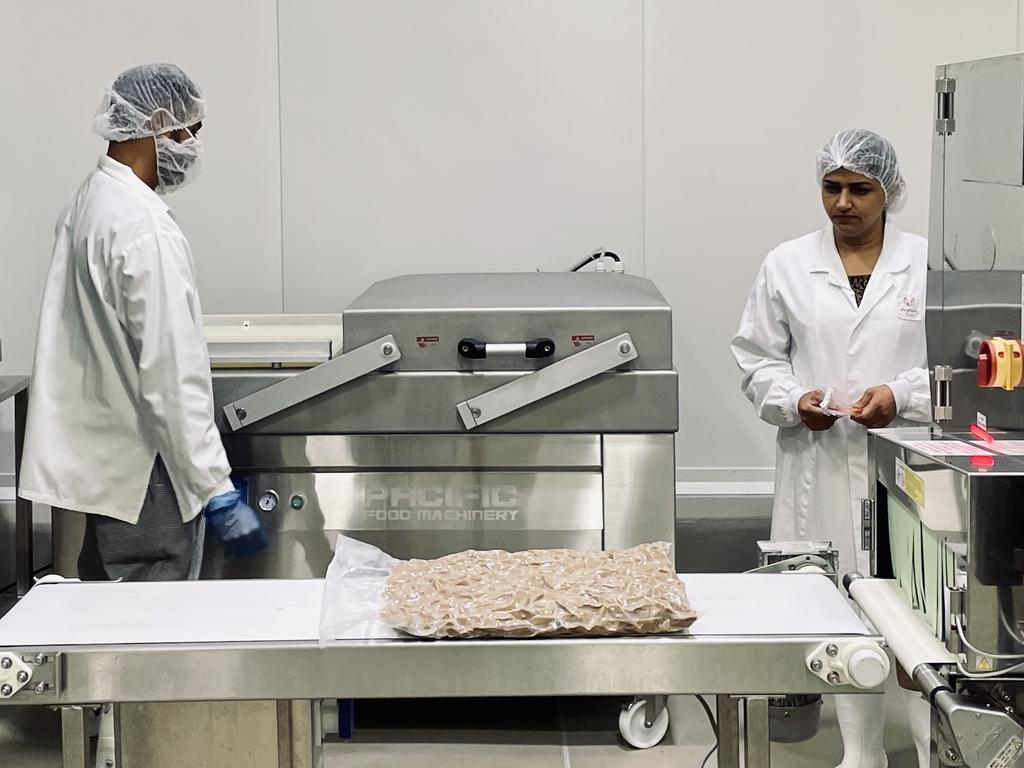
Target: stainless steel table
[
  {"x": 246, "y": 641},
  {"x": 17, "y": 387}
]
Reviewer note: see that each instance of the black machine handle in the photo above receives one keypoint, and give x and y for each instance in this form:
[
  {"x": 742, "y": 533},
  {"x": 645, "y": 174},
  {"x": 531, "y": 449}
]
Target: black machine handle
[{"x": 474, "y": 349}]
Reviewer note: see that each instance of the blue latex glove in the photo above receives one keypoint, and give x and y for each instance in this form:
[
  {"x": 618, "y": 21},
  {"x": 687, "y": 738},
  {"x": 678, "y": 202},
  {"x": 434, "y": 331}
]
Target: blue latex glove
[{"x": 236, "y": 525}]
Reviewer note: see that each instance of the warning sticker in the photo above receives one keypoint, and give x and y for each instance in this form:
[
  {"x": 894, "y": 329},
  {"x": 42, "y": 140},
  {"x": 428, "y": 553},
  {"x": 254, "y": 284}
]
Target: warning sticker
[
  {"x": 427, "y": 341},
  {"x": 582, "y": 339},
  {"x": 984, "y": 664},
  {"x": 1008, "y": 755},
  {"x": 911, "y": 483}
]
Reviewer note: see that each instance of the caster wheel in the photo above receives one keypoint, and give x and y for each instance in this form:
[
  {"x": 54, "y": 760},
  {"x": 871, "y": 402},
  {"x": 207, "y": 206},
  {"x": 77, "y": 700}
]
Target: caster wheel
[{"x": 635, "y": 731}]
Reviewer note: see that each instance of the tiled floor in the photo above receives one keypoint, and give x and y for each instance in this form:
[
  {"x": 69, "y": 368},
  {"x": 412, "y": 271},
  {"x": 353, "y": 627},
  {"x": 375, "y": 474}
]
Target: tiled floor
[{"x": 565, "y": 733}]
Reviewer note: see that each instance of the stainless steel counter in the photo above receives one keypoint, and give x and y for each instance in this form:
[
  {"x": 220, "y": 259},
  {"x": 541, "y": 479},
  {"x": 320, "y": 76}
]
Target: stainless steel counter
[
  {"x": 18, "y": 549},
  {"x": 235, "y": 641}
]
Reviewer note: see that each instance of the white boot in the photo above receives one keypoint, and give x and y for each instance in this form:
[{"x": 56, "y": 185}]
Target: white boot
[
  {"x": 862, "y": 723},
  {"x": 105, "y": 742},
  {"x": 920, "y": 715}
]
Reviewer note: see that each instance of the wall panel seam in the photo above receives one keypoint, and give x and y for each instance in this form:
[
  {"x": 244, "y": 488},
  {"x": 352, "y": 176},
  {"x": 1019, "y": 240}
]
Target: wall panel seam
[
  {"x": 643, "y": 137},
  {"x": 280, "y": 148}
]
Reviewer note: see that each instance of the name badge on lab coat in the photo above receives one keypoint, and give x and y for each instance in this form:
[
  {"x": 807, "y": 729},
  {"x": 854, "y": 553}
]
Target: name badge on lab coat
[{"x": 910, "y": 308}]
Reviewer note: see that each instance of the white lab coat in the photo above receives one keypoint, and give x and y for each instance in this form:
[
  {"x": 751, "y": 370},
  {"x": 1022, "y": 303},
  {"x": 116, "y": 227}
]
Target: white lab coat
[
  {"x": 802, "y": 330},
  {"x": 121, "y": 369}
]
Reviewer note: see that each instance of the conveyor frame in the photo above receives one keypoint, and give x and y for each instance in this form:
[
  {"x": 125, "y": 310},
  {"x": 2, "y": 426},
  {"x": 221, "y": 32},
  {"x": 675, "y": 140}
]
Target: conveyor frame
[{"x": 291, "y": 675}]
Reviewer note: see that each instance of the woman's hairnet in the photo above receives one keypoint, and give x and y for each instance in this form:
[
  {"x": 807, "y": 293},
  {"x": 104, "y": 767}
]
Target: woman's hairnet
[
  {"x": 147, "y": 101},
  {"x": 868, "y": 154}
]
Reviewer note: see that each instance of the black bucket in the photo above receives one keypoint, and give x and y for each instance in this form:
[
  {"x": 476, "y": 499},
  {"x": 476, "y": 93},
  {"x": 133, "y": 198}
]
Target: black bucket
[{"x": 792, "y": 719}]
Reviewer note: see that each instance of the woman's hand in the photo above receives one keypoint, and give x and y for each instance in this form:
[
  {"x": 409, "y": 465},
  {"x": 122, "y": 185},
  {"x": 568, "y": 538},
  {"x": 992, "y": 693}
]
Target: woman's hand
[
  {"x": 877, "y": 407},
  {"x": 811, "y": 415}
]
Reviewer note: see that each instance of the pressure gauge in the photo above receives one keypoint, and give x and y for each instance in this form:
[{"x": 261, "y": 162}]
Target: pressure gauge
[{"x": 268, "y": 501}]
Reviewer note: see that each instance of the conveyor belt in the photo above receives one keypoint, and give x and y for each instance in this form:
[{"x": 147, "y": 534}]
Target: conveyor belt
[
  {"x": 269, "y": 610},
  {"x": 245, "y": 641}
]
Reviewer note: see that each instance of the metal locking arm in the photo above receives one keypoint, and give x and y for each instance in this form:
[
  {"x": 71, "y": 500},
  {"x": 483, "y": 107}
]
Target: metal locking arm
[
  {"x": 323, "y": 378},
  {"x": 536, "y": 386}
]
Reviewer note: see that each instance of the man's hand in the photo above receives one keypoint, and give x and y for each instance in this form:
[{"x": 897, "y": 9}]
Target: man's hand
[
  {"x": 877, "y": 407},
  {"x": 811, "y": 414}
]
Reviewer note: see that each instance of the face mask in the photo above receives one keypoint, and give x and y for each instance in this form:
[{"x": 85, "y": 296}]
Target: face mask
[{"x": 177, "y": 162}]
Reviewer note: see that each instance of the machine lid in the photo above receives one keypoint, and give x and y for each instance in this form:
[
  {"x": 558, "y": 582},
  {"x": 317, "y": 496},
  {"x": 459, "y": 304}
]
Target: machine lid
[{"x": 495, "y": 292}]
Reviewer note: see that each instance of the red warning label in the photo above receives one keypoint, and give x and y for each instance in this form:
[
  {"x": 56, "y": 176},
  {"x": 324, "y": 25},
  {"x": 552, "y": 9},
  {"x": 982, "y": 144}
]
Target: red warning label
[
  {"x": 427, "y": 341},
  {"x": 582, "y": 339}
]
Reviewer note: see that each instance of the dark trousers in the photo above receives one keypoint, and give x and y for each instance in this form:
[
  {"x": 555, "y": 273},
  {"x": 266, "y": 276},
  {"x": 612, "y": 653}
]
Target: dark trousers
[{"x": 157, "y": 548}]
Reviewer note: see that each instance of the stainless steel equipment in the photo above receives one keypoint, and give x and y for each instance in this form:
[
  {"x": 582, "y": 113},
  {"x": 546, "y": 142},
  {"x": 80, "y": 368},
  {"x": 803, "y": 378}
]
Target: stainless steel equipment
[
  {"x": 948, "y": 527},
  {"x": 798, "y": 717},
  {"x": 19, "y": 563},
  {"x": 465, "y": 411},
  {"x": 151, "y": 646},
  {"x": 798, "y": 557}
]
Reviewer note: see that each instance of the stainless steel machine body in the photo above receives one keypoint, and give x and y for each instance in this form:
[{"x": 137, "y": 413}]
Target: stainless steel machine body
[
  {"x": 20, "y": 559},
  {"x": 968, "y": 511},
  {"x": 466, "y": 411},
  {"x": 950, "y": 528}
]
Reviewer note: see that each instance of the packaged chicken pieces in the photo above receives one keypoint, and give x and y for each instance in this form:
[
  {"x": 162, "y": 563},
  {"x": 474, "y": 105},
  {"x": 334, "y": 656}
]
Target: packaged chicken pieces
[{"x": 538, "y": 592}]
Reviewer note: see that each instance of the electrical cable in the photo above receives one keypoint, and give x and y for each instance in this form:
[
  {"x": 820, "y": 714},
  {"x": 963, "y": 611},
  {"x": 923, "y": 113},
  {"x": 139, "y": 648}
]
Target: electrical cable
[
  {"x": 1018, "y": 667},
  {"x": 988, "y": 675},
  {"x": 714, "y": 728},
  {"x": 600, "y": 253},
  {"x": 1000, "y": 656}
]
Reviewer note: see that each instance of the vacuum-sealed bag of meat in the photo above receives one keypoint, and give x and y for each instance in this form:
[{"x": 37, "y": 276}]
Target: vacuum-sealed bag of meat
[
  {"x": 506, "y": 594},
  {"x": 538, "y": 592}
]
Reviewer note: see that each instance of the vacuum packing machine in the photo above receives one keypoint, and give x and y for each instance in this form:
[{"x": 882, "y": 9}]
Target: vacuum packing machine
[
  {"x": 450, "y": 412},
  {"x": 446, "y": 412},
  {"x": 945, "y": 521}
]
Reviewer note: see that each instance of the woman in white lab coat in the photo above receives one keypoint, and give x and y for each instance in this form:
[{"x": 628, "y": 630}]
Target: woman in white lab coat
[{"x": 839, "y": 311}]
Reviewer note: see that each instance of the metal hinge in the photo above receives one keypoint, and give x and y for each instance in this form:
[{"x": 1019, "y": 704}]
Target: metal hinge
[
  {"x": 945, "y": 91},
  {"x": 943, "y": 410},
  {"x": 867, "y": 524}
]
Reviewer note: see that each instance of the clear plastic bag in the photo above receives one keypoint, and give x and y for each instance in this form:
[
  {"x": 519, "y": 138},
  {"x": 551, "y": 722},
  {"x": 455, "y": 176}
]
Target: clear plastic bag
[
  {"x": 502, "y": 594},
  {"x": 351, "y": 608},
  {"x": 830, "y": 407}
]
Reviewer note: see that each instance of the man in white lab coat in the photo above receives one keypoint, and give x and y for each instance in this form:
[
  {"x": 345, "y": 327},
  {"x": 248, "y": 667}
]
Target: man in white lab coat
[
  {"x": 840, "y": 312},
  {"x": 120, "y": 423}
]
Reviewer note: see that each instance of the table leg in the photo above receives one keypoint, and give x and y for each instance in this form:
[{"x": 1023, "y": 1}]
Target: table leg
[
  {"x": 756, "y": 741},
  {"x": 74, "y": 737},
  {"x": 728, "y": 732},
  {"x": 298, "y": 734},
  {"x": 24, "y": 565}
]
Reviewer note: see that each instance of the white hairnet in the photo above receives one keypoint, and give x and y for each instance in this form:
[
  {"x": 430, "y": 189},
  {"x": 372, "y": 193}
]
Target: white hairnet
[
  {"x": 868, "y": 154},
  {"x": 147, "y": 101}
]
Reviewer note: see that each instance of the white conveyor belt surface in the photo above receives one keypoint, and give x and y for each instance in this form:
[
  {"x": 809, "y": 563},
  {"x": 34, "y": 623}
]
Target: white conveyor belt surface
[{"x": 288, "y": 611}]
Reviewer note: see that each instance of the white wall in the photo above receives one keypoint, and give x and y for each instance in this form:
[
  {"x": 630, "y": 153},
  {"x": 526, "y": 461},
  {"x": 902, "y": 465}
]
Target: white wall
[
  {"x": 56, "y": 57},
  {"x": 738, "y": 97},
  {"x": 350, "y": 140},
  {"x": 456, "y": 136}
]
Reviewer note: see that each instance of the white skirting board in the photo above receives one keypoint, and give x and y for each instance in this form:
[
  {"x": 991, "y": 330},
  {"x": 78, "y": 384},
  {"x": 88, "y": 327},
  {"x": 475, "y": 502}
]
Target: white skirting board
[{"x": 725, "y": 488}]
